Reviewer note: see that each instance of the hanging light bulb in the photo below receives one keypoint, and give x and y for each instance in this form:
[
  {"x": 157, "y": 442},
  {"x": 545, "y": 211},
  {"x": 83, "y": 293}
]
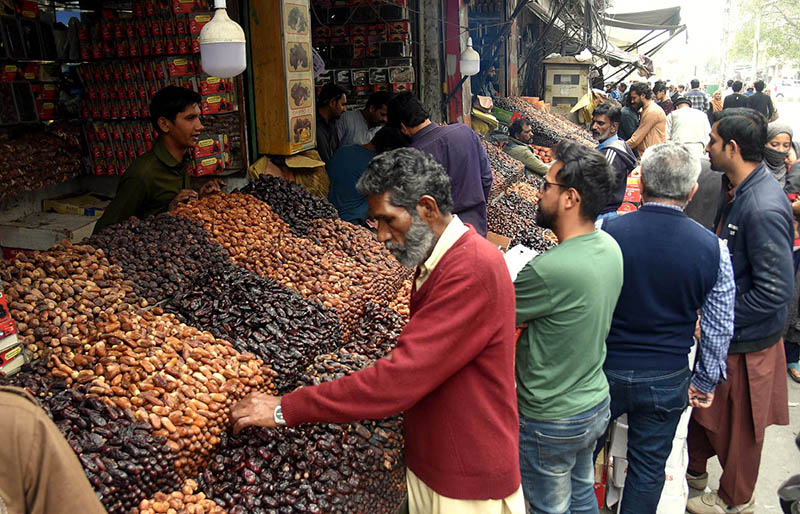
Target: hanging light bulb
[
  {"x": 222, "y": 45},
  {"x": 470, "y": 60}
]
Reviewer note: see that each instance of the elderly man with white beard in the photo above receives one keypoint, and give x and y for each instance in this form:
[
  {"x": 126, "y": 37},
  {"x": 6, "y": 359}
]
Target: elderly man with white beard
[{"x": 452, "y": 371}]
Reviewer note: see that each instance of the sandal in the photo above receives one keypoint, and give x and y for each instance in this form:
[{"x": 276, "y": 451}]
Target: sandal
[{"x": 794, "y": 371}]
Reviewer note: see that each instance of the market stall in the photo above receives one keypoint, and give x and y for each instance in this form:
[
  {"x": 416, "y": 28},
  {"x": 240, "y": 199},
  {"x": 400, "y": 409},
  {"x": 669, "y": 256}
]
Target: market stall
[
  {"x": 75, "y": 88},
  {"x": 145, "y": 336}
]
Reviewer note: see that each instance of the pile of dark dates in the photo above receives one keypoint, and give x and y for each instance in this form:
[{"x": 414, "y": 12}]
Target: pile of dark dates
[{"x": 259, "y": 316}]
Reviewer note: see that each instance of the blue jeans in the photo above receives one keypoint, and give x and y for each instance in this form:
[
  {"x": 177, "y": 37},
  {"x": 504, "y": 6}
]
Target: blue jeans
[
  {"x": 556, "y": 461},
  {"x": 654, "y": 402}
]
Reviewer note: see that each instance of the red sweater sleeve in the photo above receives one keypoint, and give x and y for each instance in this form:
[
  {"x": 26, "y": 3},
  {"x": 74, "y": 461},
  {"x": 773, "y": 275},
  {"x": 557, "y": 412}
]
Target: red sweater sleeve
[{"x": 434, "y": 345}]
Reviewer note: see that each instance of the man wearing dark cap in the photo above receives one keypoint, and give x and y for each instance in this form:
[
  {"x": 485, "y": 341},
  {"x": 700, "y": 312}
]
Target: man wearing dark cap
[{"x": 330, "y": 107}]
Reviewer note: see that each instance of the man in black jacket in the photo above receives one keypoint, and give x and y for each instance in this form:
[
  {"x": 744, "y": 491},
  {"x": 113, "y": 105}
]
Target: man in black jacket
[
  {"x": 755, "y": 219},
  {"x": 761, "y": 101},
  {"x": 605, "y": 123},
  {"x": 736, "y": 99}
]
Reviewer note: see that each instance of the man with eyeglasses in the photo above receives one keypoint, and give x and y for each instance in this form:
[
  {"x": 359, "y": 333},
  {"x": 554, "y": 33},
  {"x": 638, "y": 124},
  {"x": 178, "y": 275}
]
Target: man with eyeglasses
[{"x": 566, "y": 297}]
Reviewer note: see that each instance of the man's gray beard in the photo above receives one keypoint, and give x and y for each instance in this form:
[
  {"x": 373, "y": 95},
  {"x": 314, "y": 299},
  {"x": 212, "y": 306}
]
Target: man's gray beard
[{"x": 420, "y": 241}]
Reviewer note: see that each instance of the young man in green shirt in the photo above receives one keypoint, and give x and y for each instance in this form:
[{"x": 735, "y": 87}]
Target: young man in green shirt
[
  {"x": 157, "y": 180},
  {"x": 566, "y": 297}
]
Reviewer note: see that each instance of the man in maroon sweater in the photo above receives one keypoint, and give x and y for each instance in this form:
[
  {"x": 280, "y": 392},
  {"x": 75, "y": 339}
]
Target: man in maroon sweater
[{"x": 452, "y": 372}]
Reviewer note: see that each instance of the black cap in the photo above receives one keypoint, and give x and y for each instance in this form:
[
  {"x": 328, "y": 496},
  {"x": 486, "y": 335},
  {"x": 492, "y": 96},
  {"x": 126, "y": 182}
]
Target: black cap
[{"x": 681, "y": 100}]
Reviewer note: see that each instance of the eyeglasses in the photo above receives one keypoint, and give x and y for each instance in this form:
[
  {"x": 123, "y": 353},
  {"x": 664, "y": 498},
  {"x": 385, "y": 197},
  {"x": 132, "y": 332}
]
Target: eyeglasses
[{"x": 548, "y": 184}]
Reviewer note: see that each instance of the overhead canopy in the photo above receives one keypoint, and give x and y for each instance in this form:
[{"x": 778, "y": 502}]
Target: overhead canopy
[{"x": 659, "y": 19}]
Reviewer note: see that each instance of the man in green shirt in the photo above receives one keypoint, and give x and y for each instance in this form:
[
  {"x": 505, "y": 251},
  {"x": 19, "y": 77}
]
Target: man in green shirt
[
  {"x": 521, "y": 134},
  {"x": 157, "y": 180},
  {"x": 566, "y": 297}
]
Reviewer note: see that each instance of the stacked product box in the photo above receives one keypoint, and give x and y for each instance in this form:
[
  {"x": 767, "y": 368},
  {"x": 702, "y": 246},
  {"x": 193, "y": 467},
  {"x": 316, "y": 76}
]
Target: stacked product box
[
  {"x": 366, "y": 47},
  {"x": 12, "y": 355}
]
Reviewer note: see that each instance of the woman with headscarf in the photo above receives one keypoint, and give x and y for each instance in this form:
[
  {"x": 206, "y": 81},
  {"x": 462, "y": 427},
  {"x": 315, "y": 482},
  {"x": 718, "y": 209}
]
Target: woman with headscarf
[
  {"x": 780, "y": 157},
  {"x": 716, "y": 101},
  {"x": 779, "y": 141}
]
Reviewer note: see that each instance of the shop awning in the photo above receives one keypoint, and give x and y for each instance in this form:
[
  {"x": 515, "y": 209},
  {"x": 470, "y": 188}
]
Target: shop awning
[{"x": 659, "y": 19}]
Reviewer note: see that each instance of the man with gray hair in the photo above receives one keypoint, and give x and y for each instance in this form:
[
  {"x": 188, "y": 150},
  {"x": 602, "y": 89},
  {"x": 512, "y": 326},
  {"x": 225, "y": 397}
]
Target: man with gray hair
[
  {"x": 457, "y": 350},
  {"x": 673, "y": 267}
]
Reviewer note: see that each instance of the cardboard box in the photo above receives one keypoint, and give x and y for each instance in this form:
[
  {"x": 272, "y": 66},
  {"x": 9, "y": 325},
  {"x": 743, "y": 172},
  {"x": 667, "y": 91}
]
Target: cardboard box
[
  {"x": 86, "y": 204},
  {"x": 501, "y": 241},
  {"x": 210, "y": 145},
  {"x": 43, "y": 230}
]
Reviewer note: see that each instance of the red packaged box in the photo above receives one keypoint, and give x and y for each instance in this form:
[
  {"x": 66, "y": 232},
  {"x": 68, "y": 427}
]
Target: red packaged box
[
  {"x": 209, "y": 146},
  {"x": 197, "y": 22},
  {"x": 215, "y": 85},
  {"x": 213, "y": 104},
  {"x": 359, "y": 30},
  {"x": 382, "y": 87},
  {"x": 399, "y": 38},
  {"x": 185, "y": 45},
  {"x": 209, "y": 165},
  {"x": 181, "y": 26},
  {"x": 30, "y": 71},
  {"x": 187, "y": 6},
  {"x": 377, "y": 29},
  {"x": 47, "y": 110},
  {"x": 7, "y": 325},
  {"x": 359, "y": 52},
  {"x": 10, "y": 72},
  {"x": 399, "y": 27},
  {"x": 402, "y": 87},
  {"x": 339, "y": 31},
  {"x": 49, "y": 92},
  {"x": 358, "y": 41}
]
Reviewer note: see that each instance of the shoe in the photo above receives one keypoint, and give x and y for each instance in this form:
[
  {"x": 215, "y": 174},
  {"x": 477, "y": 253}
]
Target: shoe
[
  {"x": 698, "y": 482},
  {"x": 711, "y": 503},
  {"x": 794, "y": 373}
]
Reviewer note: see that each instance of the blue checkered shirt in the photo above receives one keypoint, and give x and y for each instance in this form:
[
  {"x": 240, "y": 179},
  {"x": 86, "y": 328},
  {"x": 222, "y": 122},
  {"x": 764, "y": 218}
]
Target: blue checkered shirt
[
  {"x": 699, "y": 99},
  {"x": 716, "y": 322}
]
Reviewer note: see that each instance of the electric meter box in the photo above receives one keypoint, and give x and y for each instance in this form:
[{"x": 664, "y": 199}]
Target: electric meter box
[{"x": 566, "y": 81}]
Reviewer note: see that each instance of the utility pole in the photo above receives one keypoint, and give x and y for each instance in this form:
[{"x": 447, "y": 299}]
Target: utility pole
[
  {"x": 726, "y": 42},
  {"x": 757, "y": 40}
]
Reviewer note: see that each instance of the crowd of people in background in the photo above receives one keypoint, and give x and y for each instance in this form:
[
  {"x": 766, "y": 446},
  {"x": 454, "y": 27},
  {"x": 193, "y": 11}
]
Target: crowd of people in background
[{"x": 715, "y": 235}]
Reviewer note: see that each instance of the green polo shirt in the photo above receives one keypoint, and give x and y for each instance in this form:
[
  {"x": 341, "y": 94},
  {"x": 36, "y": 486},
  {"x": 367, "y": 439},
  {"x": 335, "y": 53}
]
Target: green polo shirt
[
  {"x": 567, "y": 296},
  {"x": 147, "y": 187}
]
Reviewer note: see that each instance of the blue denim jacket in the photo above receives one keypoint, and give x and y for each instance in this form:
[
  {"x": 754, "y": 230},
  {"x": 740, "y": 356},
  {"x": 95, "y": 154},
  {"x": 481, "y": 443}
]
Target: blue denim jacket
[{"x": 757, "y": 226}]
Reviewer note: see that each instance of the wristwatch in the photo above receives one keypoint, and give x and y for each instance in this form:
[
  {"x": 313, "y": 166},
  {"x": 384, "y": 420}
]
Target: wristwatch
[{"x": 278, "y": 416}]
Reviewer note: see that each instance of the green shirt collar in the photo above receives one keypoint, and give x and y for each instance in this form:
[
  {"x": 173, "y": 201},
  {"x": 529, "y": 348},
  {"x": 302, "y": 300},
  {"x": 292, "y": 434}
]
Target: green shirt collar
[{"x": 160, "y": 150}]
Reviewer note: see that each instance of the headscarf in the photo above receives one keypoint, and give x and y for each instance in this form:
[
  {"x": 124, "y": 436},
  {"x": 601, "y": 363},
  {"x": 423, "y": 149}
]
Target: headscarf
[
  {"x": 716, "y": 101},
  {"x": 774, "y": 160}
]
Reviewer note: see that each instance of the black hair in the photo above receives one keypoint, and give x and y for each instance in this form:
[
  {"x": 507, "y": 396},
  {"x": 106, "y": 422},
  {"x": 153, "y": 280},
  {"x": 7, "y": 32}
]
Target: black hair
[
  {"x": 642, "y": 89},
  {"x": 759, "y": 85},
  {"x": 681, "y": 86},
  {"x": 609, "y": 109},
  {"x": 379, "y": 99},
  {"x": 329, "y": 92},
  {"x": 587, "y": 171},
  {"x": 747, "y": 127},
  {"x": 171, "y": 101},
  {"x": 408, "y": 174},
  {"x": 624, "y": 85},
  {"x": 517, "y": 127},
  {"x": 389, "y": 138},
  {"x": 737, "y": 85},
  {"x": 730, "y": 83},
  {"x": 406, "y": 108},
  {"x": 660, "y": 85},
  {"x": 695, "y": 83}
]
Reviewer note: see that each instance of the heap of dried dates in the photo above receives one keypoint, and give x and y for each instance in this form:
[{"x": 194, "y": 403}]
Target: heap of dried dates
[
  {"x": 352, "y": 468},
  {"x": 57, "y": 297},
  {"x": 161, "y": 253},
  {"x": 291, "y": 201},
  {"x": 123, "y": 461},
  {"x": 259, "y": 316},
  {"x": 548, "y": 129},
  {"x": 184, "y": 501}
]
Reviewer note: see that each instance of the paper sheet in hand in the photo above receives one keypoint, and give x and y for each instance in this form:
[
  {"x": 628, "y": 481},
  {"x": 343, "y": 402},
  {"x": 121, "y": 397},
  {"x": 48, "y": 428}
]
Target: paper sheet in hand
[{"x": 517, "y": 257}]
